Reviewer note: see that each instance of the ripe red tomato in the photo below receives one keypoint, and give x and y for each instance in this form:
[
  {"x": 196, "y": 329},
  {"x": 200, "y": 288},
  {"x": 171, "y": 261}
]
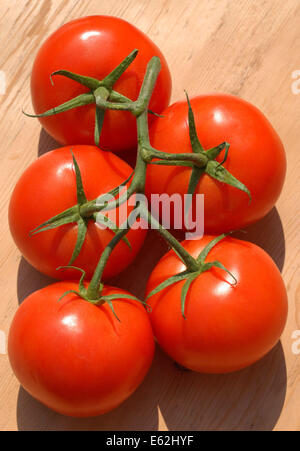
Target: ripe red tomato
[
  {"x": 227, "y": 327},
  {"x": 47, "y": 188},
  {"x": 256, "y": 157},
  {"x": 76, "y": 357},
  {"x": 93, "y": 46}
]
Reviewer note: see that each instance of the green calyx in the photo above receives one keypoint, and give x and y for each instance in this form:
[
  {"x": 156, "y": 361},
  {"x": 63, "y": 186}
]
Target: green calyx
[
  {"x": 200, "y": 161},
  {"x": 96, "y": 298},
  {"x": 190, "y": 275},
  {"x": 101, "y": 94},
  {"x": 81, "y": 214}
]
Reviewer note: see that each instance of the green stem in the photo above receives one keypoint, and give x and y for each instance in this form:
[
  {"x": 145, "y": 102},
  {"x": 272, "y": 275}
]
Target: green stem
[
  {"x": 189, "y": 261},
  {"x": 140, "y": 110},
  {"x": 139, "y": 178},
  {"x": 148, "y": 85},
  {"x": 94, "y": 288},
  {"x": 198, "y": 159},
  {"x": 100, "y": 102},
  {"x": 91, "y": 207}
]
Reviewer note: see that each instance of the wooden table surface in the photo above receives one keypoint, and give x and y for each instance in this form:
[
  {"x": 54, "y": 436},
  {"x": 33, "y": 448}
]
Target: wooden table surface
[{"x": 250, "y": 48}]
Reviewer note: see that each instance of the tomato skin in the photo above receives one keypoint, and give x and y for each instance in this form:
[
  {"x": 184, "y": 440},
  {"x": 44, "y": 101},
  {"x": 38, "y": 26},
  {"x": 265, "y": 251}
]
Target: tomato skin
[
  {"x": 76, "y": 357},
  {"x": 227, "y": 327},
  {"x": 48, "y": 187},
  {"x": 94, "y": 46},
  {"x": 256, "y": 157}
]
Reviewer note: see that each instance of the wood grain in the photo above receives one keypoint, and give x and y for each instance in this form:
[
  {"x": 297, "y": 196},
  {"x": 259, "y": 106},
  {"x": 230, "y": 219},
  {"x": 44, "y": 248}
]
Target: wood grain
[{"x": 245, "y": 47}]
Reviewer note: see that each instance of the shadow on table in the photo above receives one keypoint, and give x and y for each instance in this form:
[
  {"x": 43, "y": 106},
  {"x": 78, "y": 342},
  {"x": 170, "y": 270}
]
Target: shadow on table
[
  {"x": 46, "y": 143},
  {"x": 251, "y": 399},
  {"x": 30, "y": 280}
]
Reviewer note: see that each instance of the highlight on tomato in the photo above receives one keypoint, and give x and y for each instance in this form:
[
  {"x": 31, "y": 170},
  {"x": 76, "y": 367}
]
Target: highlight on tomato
[
  {"x": 223, "y": 317},
  {"x": 89, "y": 49},
  {"x": 60, "y": 185},
  {"x": 245, "y": 159},
  {"x": 79, "y": 358}
]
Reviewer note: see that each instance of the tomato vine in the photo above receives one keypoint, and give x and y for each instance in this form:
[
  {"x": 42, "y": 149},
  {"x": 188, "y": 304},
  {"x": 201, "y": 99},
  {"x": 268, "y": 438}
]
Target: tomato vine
[{"x": 200, "y": 160}]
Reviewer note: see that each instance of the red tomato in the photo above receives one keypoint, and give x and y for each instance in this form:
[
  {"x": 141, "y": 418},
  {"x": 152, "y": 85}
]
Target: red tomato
[
  {"x": 76, "y": 357},
  {"x": 94, "y": 46},
  {"x": 48, "y": 187},
  {"x": 256, "y": 158},
  {"x": 227, "y": 327}
]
